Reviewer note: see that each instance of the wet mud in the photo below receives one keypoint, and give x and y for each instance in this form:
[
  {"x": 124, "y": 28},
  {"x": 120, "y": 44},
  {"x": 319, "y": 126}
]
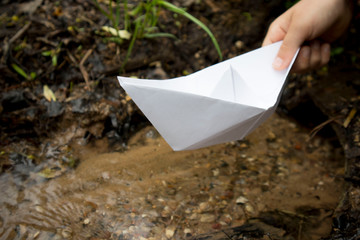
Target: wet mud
[{"x": 276, "y": 177}]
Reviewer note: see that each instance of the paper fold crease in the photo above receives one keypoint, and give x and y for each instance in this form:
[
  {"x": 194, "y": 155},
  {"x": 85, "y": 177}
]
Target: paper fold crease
[{"x": 221, "y": 103}]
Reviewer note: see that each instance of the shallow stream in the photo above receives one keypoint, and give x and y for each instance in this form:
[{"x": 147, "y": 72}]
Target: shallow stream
[{"x": 151, "y": 192}]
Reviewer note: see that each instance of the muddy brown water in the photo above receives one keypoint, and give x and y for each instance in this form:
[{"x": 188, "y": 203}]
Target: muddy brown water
[{"x": 151, "y": 192}]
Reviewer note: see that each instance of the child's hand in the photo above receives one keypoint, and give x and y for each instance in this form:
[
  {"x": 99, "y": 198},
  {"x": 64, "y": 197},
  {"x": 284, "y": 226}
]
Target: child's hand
[{"x": 316, "y": 22}]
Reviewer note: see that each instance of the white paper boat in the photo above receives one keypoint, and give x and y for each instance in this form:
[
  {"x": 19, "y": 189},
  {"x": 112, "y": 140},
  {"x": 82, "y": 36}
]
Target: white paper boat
[{"x": 221, "y": 103}]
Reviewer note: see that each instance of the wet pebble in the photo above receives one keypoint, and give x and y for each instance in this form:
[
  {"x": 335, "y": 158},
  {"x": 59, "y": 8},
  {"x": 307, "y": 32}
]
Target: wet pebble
[
  {"x": 166, "y": 212},
  {"x": 227, "y": 219},
  {"x": 193, "y": 216},
  {"x": 216, "y": 172},
  {"x": 170, "y": 231},
  {"x": 207, "y": 218},
  {"x": 249, "y": 209},
  {"x": 187, "y": 232},
  {"x": 216, "y": 226},
  {"x": 241, "y": 200},
  {"x": 39, "y": 209},
  {"x": 204, "y": 207},
  {"x": 66, "y": 232},
  {"x": 271, "y": 137},
  {"x": 22, "y": 229},
  {"x": 105, "y": 175}
]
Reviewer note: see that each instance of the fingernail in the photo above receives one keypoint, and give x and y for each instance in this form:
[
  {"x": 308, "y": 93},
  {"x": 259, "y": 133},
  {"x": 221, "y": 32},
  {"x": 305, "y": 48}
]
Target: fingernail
[{"x": 277, "y": 63}]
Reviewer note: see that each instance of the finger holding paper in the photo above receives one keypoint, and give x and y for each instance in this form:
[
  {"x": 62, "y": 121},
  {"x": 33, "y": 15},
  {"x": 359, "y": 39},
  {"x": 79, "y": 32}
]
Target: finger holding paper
[{"x": 317, "y": 22}]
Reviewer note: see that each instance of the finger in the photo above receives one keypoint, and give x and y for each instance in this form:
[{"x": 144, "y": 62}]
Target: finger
[
  {"x": 302, "y": 62},
  {"x": 292, "y": 42},
  {"x": 275, "y": 33},
  {"x": 325, "y": 53},
  {"x": 315, "y": 57}
]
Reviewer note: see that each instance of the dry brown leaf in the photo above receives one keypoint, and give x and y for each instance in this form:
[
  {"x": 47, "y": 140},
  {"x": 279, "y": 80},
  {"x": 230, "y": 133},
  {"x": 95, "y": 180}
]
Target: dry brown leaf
[{"x": 49, "y": 94}]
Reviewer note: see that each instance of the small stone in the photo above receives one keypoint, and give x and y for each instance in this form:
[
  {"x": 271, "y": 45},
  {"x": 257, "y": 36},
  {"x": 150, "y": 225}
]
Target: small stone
[
  {"x": 23, "y": 229},
  {"x": 216, "y": 172},
  {"x": 204, "y": 207},
  {"x": 66, "y": 232},
  {"x": 86, "y": 221},
  {"x": 166, "y": 212},
  {"x": 193, "y": 216},
  {"x": 241, "y": 200},
  {"x": 170, "y": 231},
  {"x": 249, "y": 209},
  {"x": 39, "y": 209},
  {"x": 222, "y": 223},
  {"x": 226, "y": 218},
  {"x": 105, "y": 175},
  {"x": 153, "y": 213},
  {"x": 187, "y": 230},
  {"x": 216, "y": 226},
  {"x": 271, "y": 137},
  {"x": 239, "y": 44},
  {"x": 207, "y": 218},
  {"x": 223, "y": 204},
  {"x": 250, "y": 159}
]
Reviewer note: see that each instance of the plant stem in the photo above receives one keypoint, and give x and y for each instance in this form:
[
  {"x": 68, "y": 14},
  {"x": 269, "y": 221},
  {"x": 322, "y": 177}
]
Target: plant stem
[
  {"x": 180, "y": 11},
  {"x": 126, "y": 16},
  {"x": 131, "y": 45}
]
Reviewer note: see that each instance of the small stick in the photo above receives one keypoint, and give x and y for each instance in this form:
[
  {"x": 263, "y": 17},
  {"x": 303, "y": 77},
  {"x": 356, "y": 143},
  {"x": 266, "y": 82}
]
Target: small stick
[
  {"x": 13, "y": 39},
  {"x": 227, "y": 235},
  {"x": 82, "y": 68}
]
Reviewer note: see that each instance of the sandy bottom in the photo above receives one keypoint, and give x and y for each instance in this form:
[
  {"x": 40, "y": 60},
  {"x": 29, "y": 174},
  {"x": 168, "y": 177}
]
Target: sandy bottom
[{"x": 152, "y": 192}]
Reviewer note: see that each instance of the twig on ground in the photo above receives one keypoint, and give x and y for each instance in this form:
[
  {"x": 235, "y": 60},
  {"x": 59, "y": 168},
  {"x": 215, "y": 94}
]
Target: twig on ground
[
  {"x": 322, "y": 125},
  {"x": 7, "y": 45},
  {"x": 45, "y": 40},
  {"x": 82, "y": 68}
]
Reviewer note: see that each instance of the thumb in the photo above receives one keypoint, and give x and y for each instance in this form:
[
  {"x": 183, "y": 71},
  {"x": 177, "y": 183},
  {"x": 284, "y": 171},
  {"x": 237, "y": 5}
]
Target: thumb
[{"x": 291, "y": 43}]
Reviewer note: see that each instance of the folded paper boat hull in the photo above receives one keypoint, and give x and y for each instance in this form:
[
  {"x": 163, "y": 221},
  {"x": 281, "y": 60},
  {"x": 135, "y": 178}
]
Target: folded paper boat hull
[{"x": 221, "y": 103}]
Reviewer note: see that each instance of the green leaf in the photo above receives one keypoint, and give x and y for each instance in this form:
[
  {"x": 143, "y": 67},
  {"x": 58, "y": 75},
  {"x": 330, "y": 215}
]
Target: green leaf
[
  {"x": 46, "y": 53},
  {"x": 155, "y": 35},
  {"x": 33, "y": 75},
  {"x": 247, "y": 15},
  {"x": 20, "y": 71},
  {"x": 336, "y": 51},
  {"x": 180, "y": 11},
  {"x": 54, "y": 60}
]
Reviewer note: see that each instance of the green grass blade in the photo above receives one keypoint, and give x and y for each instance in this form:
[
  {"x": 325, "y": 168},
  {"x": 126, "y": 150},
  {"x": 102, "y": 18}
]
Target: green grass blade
[
  {"x": 180, "y": 11},
  {"x": 117, "y": 12},
  {"x": 155, "y": 35},
  {"x": 126, "y": 16},
  {"x": 131, "y": 45},
  {"x": 20, "y": 71},
  {"x": 101, "y": 9},
  {"x": 111, "y": 15}
]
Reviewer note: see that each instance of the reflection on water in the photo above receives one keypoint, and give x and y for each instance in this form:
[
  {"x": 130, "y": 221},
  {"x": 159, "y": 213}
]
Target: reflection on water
[{"x": 151, "y": 192}]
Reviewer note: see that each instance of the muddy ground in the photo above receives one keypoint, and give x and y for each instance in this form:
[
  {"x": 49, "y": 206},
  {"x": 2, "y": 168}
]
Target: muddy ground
[{"x": 90, "y": 166}]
